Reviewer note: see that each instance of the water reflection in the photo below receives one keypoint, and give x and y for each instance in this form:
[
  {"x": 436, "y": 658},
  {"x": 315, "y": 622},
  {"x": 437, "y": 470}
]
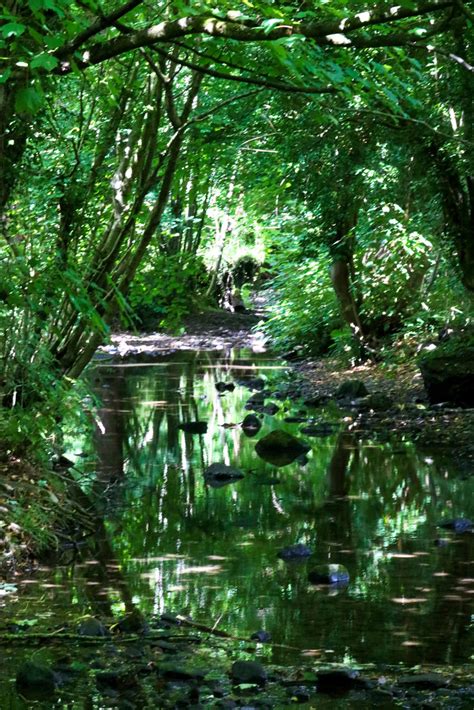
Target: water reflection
[{"x": 166, "y": 541}]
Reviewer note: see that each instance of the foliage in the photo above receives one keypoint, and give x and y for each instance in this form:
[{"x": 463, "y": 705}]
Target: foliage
[{"x": 166, "y": 289}]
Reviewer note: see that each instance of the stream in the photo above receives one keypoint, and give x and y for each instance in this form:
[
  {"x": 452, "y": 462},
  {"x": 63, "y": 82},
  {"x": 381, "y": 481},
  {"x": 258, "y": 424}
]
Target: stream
[{"x": 170, "y": 544}]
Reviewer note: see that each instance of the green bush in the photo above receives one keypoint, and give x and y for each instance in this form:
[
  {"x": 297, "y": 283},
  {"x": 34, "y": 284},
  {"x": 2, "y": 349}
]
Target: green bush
[{"x": 166, "y": 289}]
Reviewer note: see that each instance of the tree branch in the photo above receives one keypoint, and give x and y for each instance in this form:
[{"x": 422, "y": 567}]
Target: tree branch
[{"x": 330, "y": 33}]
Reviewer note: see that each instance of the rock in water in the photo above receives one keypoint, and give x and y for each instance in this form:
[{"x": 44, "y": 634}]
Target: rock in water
[
  {"x": 280, "y": 448},
  {"x": 351, "y": 389},
  {"x": 329, "y": 574},
  {"x": 218, "y": 474},
  {"x": 248, "y": 672},
  {"x": 225, "y": 386},
  {"x": 256, "y": 401},
  {"x": 458, "y": 525},
  {"x": 251, "y": 425},
  {"x": 35, "y": 680},
  {"x": 193, "y": 427},
  {"x": 424, "y": 681},
  {"x": 295, "y": 552},
  {"x": 271, "y": 409},
  {"x": 92, "y": 627}
]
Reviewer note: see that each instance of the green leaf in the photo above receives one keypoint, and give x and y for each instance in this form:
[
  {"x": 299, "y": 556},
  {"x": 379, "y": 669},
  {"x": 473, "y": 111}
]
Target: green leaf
[
  {"x": 44, "y": 61},
  {"x": 28, "y": 101},
  {"x": 12, "y": 29}
]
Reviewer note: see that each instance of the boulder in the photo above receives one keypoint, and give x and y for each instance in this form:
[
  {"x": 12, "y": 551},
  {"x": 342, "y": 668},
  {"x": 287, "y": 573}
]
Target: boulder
[
  {"x": 256, "y": 401},
  {"x": 295, "y": 552},
  {"x": 219, "y": 474},
  {"x": 248, "y": 672},
  {"x": 132, "y": 623},
  {"x": 280, "y": 448},
  {"x": 351, "y": 389},
  {"x": 448, "y": 374},
  {"x": 329, "y": 574},
  {"x": 92, "y": 627},
  {"x": 35, "y": 680},
  {"x": 193, "y": 427},
  {"x": 251, "y": 425}
]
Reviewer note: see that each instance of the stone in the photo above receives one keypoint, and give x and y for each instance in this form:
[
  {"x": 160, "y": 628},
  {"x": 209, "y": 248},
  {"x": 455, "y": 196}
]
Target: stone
[
  {"x": 261, "y": 636},
  {"x": 295, "y": 552},
  {"x": 271, "y": 409},
  {"x": 256, "y": 401},
  {"x": 248, "y": 672},
  {"x": 255, "y": 383},
  {"x": 377, "y": 401},
  {"x": 35, "y": 680},
  {"x": 225, "y": 387},
  {"x": 219, "y": 474},
  {"x": 251, "y": 425},
  {"x": 280, "y": 448},
  {"x": 316, "y": 400},
  {"x": 351, "y": 389},
  {"x": 448, "y": 374},
  {"x": 193, "y": 427},
  {"x": 295, "y": 420},
  {"x": 458, "y": 525},
  {"x": 329, "y": 574},
  {"x": 323, "y": 429},
  {"x": 92, "y": 627},
  {"x": 132, "y": 623},
  {"x": 340, "y": 681},
  {"x": 424, "y": 681}
]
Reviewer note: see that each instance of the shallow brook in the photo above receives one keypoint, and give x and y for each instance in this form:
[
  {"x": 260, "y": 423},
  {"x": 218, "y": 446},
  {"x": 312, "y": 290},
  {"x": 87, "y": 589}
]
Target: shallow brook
[{"x": 169, "y": 542}]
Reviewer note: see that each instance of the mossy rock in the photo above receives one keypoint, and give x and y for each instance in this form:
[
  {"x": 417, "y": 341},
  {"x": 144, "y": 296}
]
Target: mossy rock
[
  {"x": 448, "y": 374},
  {"x": 280, "y": 448},
  {"x": 351, "y": 389}
]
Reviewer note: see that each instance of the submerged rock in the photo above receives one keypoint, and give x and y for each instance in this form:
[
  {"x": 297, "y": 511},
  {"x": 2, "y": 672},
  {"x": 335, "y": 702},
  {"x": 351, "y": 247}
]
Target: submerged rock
[
  {"x": 35, "y": 680},
  {"x": 132, "y": 623},
  {"x": 280, "y": 448},
  {"x": 219, "y": 474},
  {"x": 118, "y": 680},
  {"x": 295, "y": 420},
  {"x": 351, "y": 389},
  {"x": 248, "y": 672},
  {"x": 458, "y": 525},
  {"x": 193, "y": 427},
  {"x": 295, "y": 552},
  {"x": 329, "y": 574},
  {"x": 251, "y": 425}
]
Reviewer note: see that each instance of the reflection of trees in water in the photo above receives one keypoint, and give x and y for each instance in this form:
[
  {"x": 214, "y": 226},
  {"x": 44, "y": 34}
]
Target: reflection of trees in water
[{"x": 353, "y": 503}]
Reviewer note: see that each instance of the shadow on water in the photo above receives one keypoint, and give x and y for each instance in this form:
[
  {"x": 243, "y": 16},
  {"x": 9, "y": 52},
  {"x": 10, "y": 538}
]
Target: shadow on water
[{"x": 166, "y": 541}]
